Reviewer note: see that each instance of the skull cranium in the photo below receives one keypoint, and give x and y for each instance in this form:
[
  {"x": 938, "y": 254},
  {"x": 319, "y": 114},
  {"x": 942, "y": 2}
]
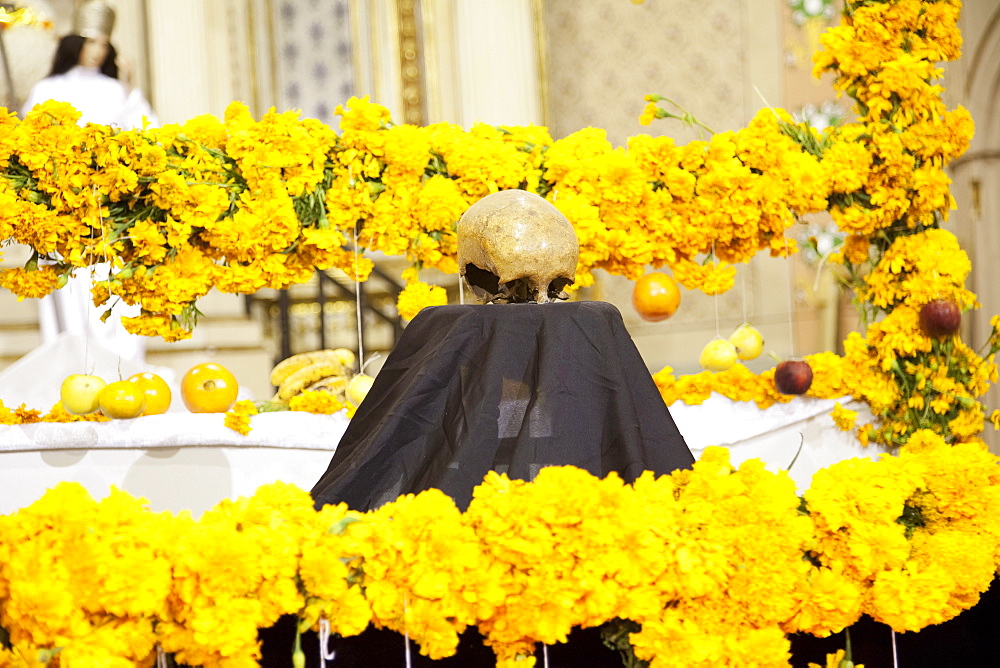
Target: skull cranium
[{"x": 514, "y": 246}]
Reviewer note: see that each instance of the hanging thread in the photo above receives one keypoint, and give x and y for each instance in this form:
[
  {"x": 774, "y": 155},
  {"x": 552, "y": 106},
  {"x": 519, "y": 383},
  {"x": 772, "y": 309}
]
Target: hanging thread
[
  {"x": 93, "y": 269},
  {"x": 357, "y": 301},
  {"x": 791, "y": 291},
  {"x": 406, "y": 635},
  {"x": 743, "y": 293},
  {"x": 715, "y": 301},
  {"x": 324, "y": 643}
]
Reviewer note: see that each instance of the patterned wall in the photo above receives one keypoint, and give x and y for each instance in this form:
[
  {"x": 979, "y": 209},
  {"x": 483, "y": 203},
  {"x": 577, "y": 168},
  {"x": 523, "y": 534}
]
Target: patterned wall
[
  {"x": 313, "y": 51},
  {"x": 603, "y": 56}
]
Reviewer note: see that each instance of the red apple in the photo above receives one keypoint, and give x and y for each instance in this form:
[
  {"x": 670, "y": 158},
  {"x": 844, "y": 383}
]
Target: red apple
[
  {"x": 793, "y": 377},
  {"x": 940, "y": 318}
]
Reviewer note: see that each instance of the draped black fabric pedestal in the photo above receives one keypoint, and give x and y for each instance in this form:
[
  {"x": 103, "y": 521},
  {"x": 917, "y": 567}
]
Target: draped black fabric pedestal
[{"x": 510, "y": 388}]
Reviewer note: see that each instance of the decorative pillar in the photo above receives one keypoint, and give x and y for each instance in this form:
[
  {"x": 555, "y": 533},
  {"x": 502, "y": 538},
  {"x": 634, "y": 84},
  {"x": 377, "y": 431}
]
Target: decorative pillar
[
  {"x": 178, "y": 54},
  {"x": 483, "y": 61}
]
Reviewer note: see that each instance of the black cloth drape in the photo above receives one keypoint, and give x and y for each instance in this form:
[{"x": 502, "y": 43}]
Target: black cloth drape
[{"x": 504, "y": 387}]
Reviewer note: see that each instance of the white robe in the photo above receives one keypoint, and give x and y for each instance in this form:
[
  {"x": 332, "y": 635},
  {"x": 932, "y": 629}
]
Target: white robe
[
  {"x": 105, "y": 101},
  {"x": 99, "y": 98}
]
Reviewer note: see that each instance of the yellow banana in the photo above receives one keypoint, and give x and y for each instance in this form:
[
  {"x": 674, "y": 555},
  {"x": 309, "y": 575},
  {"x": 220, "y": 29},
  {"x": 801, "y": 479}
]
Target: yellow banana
[
  {"x": 333, "y": 384},
  {"x": 346, "y": 357},
  {"x": 307, "y": 375},
  {"x": 290, "y": 365}
]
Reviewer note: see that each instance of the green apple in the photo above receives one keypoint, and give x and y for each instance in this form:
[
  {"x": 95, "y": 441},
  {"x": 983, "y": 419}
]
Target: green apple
[
  {"x": 79, "y": 393},
  {"x": 748, "y": 341},
  {"x": 358, "y": 388},
  {"x": 718, "y": 355}
]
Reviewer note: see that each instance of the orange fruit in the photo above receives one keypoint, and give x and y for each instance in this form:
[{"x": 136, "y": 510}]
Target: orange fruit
[
  {"x": 121, "y": 400},
  {"x": 656, "y": 296},
  {"x": 209, "y": 388},
  {"x": 157, "y": 392}
]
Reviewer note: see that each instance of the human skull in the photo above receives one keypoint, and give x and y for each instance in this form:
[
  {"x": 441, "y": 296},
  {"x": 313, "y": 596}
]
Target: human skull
[{"x": 513, "y": 246}]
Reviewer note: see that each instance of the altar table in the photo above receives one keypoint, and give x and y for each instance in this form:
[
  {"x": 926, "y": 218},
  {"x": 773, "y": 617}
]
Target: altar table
[
  {"x": 177, "y": 461},
  {"x": 186, "y": 461}
]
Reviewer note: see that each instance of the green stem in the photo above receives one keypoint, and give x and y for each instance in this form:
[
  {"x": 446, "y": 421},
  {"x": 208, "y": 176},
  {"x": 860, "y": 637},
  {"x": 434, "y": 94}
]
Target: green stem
[
  {"x": 686, "y": 116},
  {"x": 298, "y": 656}
]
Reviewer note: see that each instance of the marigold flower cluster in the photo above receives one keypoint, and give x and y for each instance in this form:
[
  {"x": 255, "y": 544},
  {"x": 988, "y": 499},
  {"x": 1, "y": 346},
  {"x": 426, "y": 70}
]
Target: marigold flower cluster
[
  {"x": 898, "y": 258},
  {"x": 238, "y": 417},
  {"x": 235, "y": 204},
  {"x": 888, "y": 193},
  {"x": 243, "y": 204},
  {"x": 715, "y": 564},
  {"x": 24, "y": 415}
]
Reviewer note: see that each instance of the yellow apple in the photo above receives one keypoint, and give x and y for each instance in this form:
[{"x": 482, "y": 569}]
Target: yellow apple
[
  {"x": 748, "y": 341},
  {"x": 358, "y": 388},
  {"x": 79, "y": 391},
  {"x": 718, "y": 355}
]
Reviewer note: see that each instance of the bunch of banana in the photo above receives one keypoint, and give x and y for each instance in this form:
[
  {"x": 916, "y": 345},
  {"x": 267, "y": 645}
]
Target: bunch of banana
[{"x": 320, "y": 370}]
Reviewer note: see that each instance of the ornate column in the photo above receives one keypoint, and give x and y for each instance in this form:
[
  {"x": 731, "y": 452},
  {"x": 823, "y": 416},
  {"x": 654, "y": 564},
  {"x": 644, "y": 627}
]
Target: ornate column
[
  {"x": 483, "y": 61},
  {"x": 178, "y": 54}
]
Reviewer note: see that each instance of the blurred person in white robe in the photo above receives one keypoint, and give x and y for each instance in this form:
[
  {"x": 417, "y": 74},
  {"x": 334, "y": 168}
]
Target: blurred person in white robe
[{"x": 86, "y": 75}]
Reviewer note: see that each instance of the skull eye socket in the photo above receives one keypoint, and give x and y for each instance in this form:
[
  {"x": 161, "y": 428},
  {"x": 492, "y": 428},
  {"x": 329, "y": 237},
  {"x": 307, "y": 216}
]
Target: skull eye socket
[
  {"x": 487, "y": 287},
  {"x": 481, "y": 279},
  {"x": 557, "y": 285}
]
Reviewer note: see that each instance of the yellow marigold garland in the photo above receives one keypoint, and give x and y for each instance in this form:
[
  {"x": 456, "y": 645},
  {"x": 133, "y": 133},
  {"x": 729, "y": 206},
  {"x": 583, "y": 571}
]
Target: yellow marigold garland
[
  {"x": 887, "y": 190},
  {"x": 242, "y": 204},
  {"x": 716, "y": 564}
]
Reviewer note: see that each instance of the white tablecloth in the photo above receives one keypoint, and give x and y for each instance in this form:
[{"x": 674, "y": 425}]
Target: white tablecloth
[
  {"x": 177, "y": 461},
  {"x": 775, "y": 434},
  {"x": 186, "y": 461}
]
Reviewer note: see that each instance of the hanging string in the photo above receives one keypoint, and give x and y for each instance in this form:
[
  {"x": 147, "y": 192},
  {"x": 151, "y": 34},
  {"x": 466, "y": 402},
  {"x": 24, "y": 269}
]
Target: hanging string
[
  {"x": 324, "y": 643},
  {"x": 743, "y": 293},
  {"x": 93, "y": 271},
  {"x": 406, "y": 635},
  {"x": 545, "y": 655},
  {"x": 895, "y": 658},
  {"x": 357, "y": 301},
  {"x": 715, "y": 301},
  {"x": 161, "y": 657},
  {"x": 104, "y": 249},
  {"x": 107, "y": 262},
  {"x": 791, "y": 291}
]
